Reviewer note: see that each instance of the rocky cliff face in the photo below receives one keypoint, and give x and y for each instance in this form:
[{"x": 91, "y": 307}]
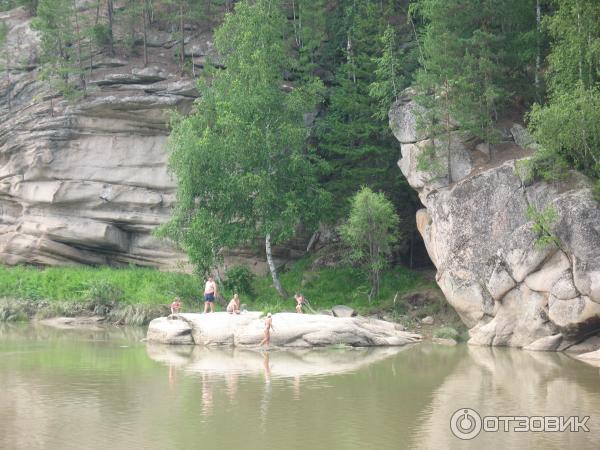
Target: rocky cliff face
[
  {"x": 475, "y": 225},
  {"x": 86, "y": 182}
]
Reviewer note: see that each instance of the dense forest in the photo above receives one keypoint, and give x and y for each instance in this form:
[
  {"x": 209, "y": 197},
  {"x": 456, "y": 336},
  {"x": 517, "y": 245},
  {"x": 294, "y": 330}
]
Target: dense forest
[{"x": 298, "y": 93}]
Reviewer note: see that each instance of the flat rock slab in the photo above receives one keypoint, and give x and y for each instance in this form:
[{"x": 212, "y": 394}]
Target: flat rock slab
[
  {"x": 290, "y": 330},
  {"x": 70, "y": 323}
]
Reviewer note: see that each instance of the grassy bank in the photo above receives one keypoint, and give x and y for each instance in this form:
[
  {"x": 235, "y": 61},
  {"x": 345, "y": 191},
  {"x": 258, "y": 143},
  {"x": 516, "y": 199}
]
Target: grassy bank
[{"x": 136, "y": 295}]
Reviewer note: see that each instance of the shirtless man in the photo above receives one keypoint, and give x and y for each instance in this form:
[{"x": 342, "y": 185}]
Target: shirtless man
[
  {"x": 210, "y": 292},
  {"x": 268, "y": 327}
]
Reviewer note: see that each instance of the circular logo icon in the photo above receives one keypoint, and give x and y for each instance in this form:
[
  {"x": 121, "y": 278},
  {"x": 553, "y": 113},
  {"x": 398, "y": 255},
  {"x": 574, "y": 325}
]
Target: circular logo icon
[{"x": 465, "y": 423}]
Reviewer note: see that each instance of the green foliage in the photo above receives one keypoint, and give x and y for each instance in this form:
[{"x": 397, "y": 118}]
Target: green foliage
[
  {"x": 239, "y": 280},
  {"x": 474, "y": 55},
  {"x": 389, "y": 79},
  {"x": 567, "y": 127},
  {"x": 447, "y": 333},
  {"x": 353, "y": 134},
  {"x": 370, "y": 231},
  {"x": 542, "y": 225},
  {"x": 240, "y": 158},
  {"x": 103, "y": 291},
  {"x": 60, "y": 33},
  {"x": 82, "y": 284},
  {"x": 333, "y": 286}
]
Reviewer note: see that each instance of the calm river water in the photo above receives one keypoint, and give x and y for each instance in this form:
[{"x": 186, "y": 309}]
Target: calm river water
[{"x": 107, "y": 390}]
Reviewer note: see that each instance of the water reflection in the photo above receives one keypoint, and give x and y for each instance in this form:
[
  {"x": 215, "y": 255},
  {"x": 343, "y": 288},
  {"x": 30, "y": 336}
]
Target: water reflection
[
  {"x": 500, "y": 381},
  {"x": 170, "y": 397},
  {"x": 282, "y": 363}
]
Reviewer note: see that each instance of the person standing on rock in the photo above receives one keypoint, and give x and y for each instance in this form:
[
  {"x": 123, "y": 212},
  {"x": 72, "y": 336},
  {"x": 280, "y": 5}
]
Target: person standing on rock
[
  {"x": 210, "y": 292},
  {"x": 176, "y": 306},
  {"x": 268, "y": 327},
  {"x": 299, "y": 302}
]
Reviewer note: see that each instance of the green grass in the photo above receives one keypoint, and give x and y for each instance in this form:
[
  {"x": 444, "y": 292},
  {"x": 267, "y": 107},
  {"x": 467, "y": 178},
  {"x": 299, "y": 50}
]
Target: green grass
[
  {"x": 100, "y": 284},
  {"x": 136, "y": 295},
  {"x": 327, "y": 287}
]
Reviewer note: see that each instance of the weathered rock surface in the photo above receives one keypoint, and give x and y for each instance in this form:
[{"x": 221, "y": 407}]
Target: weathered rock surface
[
  {"x": 87, "y": 183},
  {"x": 476, "y": 229},
  {"x": 290, "y": 330}
]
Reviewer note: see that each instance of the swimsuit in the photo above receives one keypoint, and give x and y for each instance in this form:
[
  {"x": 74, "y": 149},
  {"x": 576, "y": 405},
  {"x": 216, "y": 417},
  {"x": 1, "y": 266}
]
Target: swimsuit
[{"x": 209, "y": 297}]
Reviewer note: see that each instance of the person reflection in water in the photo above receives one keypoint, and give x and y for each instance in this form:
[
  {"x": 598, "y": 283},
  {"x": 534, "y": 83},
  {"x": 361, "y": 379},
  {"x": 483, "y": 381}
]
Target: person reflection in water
[
  {"x": 207, "y": 396},
  {"x": 171, "y": 376},
  {"x": 268, "y": 327},
  {"x": 232, "y": 386}
]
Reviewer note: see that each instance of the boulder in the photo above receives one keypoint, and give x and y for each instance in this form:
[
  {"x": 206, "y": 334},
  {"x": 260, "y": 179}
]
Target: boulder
[
  {"x": 427, "y": 320},
  {"x": 506, "y": 288},
  {"x": 290, "y": 330},
  {"x": 545, "y": 344},
  {"x": 170, "y": 330},
  {"x": 522, "y": 137},
  {"x": 404, "y": 118},
  {"x": 343, "y": 311}
]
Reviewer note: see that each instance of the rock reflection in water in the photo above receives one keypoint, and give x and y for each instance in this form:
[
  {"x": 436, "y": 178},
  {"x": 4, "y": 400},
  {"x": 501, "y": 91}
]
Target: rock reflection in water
[
  {"x": 505, "y": 382},
  {"x": 278, "y": 363}
]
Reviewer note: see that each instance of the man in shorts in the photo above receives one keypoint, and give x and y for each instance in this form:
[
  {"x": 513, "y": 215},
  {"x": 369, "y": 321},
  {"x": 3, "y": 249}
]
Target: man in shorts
[{"x": 210, "y": 292}]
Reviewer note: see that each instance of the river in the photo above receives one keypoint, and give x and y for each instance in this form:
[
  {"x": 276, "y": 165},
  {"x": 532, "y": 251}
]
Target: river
[{"x": 105, "y": 389}]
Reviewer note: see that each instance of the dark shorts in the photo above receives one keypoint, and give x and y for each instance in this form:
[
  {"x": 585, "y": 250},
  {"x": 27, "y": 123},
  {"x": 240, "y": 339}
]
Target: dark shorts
[{"x": 209, "y": 297}]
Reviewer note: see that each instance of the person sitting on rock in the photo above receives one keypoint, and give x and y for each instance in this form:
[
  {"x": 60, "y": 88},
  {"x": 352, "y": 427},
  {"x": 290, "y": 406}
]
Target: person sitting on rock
[
  {"x": 300, "y": 301},
  {"x": 234, "y": 305},
  {"x": 176, "y": 306}
]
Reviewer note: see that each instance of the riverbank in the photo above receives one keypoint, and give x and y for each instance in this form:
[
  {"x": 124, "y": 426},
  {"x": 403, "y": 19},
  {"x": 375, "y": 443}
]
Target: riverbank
[{"x": 135, "y": 296}]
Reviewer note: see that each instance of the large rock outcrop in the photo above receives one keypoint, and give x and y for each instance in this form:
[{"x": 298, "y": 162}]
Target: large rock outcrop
[
  {"x": 506, "y": 289},
  {"x": 290, "y": 330},
  {"x": 86, "y": 182}
]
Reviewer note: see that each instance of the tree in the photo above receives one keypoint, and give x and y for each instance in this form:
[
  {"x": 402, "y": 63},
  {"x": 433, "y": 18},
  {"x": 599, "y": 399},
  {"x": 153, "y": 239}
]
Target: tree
[
  {"x": 389, "y": 79},
  {"x": 567, "y": 125},
  {"x": 476, "y": 54},
  {"x": 353, "y": 136},
  {"x": 180, "y": 13},
  {"x": 240, "y": 159},
  {"x": 4, "y": 29},
  {"x": 370, "y": 232}
]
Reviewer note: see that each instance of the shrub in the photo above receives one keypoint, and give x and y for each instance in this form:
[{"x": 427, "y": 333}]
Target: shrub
[
  {"x": 102, "y": 291},
  {"x": 239, "y": 279},
  {"x": 446, "y": 333}
]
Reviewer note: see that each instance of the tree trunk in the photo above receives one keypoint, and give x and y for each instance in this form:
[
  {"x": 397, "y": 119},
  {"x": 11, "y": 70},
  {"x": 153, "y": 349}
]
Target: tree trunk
[
  {"x": 181, "y": 26},
  {"x": 79, "y": 59},
  {"x": 538, "y": 58},
  {"x": 109, "y": 8},
  {"x": 144, "y": 14},
  {"x": 272, "y": 267},
  {"x": 7, "y": 71}
]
